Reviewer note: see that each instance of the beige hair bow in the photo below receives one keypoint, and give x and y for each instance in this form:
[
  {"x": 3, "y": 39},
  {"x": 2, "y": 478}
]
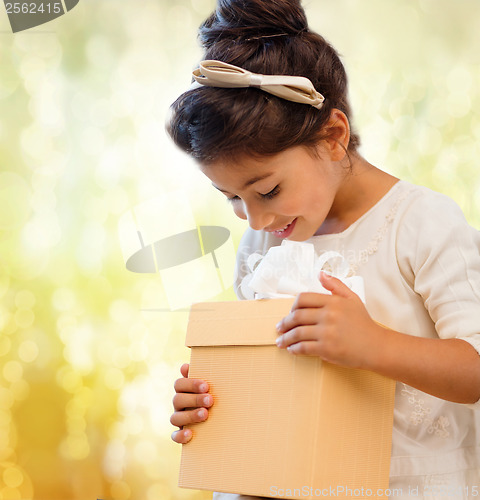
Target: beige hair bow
[{"x": 292, "y": 88}]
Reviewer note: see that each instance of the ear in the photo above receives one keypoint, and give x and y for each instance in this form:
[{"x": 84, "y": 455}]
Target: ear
[{"x": 337, "y": 135}]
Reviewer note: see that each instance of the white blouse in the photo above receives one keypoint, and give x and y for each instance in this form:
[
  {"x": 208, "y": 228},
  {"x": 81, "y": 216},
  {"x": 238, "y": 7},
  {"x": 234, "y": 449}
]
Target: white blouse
[{"x": 420, "y": 261}]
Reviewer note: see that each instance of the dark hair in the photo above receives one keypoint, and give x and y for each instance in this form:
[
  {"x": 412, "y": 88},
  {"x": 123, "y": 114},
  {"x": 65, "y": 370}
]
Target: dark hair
[{"x": 269, "y": 37}]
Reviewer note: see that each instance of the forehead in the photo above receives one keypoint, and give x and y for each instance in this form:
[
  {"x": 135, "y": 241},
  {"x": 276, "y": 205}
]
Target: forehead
[
  {"x": 242, "y": 172},
  {"x": 240, "y": 175},
  {"x": 252, "y": 167}
]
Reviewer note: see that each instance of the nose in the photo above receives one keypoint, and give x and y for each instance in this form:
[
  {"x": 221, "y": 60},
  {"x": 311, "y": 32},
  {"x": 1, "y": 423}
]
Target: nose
[{"x": 258, "y": 218}]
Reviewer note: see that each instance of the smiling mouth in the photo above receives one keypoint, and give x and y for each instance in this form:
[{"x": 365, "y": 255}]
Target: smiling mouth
[{"x": 285, "y": 231}]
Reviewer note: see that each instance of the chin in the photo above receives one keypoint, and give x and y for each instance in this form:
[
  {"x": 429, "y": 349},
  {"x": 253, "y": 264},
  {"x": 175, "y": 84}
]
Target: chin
[{"x": 294, "y": 237}]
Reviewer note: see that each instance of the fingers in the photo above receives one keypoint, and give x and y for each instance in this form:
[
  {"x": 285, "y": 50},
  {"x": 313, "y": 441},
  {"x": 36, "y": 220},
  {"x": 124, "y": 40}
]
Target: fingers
[
  {"x": 190, "y": 404},
  {"x": 307, "y": 300},
  {"x": 334, "y": 285},
  {"x": 306, "y": 348},
  {"x": 306, "y": 315},
  {"x": 187, "y": 417},
  {"x": 183, "y": 417},
  {"x": 184, "y": 370},
  {"x": 310, "y": 308},
  {"x": 183, "y": 400},
  {"x": 192, "y": 385},
  {"x": 300, "y": 334},
  {"x": 182, "y": 436}
]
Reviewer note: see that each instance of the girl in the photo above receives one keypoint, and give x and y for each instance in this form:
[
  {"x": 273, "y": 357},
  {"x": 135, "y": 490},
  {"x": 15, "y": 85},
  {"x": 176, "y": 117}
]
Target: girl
[{"x": 282, "y": 151}]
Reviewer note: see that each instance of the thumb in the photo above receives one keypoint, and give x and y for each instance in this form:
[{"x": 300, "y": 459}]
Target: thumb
[{"x": 335, "y": 286}]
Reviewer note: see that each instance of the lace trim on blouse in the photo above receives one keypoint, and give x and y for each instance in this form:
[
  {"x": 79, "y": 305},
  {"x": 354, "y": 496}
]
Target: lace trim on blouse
[
  {"x": 420, "y": 414},
  {"x": 372, "y": 247}
]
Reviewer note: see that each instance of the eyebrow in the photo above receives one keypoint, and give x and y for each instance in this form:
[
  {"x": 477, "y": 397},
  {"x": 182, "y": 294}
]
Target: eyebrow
[{"x": 251, "y": 181}]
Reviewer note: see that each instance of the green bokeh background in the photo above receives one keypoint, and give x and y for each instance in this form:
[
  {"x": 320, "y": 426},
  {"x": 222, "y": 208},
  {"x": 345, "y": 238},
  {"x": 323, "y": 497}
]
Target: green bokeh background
[{"x": 86, "y": 368}]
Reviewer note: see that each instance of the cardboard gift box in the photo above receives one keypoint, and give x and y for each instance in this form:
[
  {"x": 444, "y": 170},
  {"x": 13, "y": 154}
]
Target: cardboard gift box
[{"x": 282, "y": 425}]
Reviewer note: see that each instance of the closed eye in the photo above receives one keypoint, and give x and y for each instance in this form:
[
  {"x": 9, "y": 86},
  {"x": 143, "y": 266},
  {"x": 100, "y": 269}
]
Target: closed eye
[
  {"x": 271, "y": 193},
  {"x": 266, "y": 196}
]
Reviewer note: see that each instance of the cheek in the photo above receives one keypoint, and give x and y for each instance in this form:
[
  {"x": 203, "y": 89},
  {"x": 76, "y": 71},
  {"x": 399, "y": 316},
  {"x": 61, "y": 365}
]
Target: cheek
[
  {"x": 306, "y": 206},
  {"x": 292, "y": 206}
]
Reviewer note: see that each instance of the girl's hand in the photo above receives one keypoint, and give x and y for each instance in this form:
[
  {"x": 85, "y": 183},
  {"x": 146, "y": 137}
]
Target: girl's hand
[
  {"x": 190, "y": 404},
  {"x": 335, "y": 327}
]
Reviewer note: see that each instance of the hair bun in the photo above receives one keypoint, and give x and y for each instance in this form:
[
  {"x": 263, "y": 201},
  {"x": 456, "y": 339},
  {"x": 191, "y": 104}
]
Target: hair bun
[{"x": 234, "y": 19}]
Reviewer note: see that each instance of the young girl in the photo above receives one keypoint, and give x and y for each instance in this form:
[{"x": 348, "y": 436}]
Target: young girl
[{"x": 282, "y": 151}]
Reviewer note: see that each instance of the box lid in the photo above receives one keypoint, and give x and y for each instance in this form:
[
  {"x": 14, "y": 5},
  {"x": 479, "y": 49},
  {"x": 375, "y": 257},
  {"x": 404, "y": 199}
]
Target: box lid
[{"x": 245, "y": 322}]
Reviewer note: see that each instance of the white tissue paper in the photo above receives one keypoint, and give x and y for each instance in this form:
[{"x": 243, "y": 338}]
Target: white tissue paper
[{"x": 294, "y": 267}]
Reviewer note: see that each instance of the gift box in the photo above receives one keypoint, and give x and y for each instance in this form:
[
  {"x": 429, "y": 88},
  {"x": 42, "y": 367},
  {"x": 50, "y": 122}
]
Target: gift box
[{"x": 282, "y": 425}]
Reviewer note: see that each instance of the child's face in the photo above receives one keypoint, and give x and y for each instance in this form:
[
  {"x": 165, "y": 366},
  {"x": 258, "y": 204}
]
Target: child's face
[{"x": 290, "y": 194}]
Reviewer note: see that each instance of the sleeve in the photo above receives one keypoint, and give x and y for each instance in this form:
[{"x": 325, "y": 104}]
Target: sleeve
[{"x": 440, "y": 258}]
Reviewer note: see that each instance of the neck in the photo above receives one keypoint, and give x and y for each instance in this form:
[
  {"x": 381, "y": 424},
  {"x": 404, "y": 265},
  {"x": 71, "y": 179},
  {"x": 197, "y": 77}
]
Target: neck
[{"x": 362, "y": 187}]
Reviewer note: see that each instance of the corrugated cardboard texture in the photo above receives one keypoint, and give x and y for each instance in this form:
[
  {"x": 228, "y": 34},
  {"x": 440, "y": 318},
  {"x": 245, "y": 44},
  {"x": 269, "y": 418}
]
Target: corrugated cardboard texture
[
  {"x": 228, "y": 323},
  {"x": 281, "y": 423}
]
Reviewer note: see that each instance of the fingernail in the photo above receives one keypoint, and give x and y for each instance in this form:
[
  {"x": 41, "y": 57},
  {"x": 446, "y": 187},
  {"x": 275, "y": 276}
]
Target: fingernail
[
  {"x": 278, "y": 341},
  {"x": 278, "y": 325},
  {"x": 206, "y": 400},
  {"x": 202, "y": 413},
  {"x": 203, "y": 387},
  {"x": 187, "y": 434}
]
